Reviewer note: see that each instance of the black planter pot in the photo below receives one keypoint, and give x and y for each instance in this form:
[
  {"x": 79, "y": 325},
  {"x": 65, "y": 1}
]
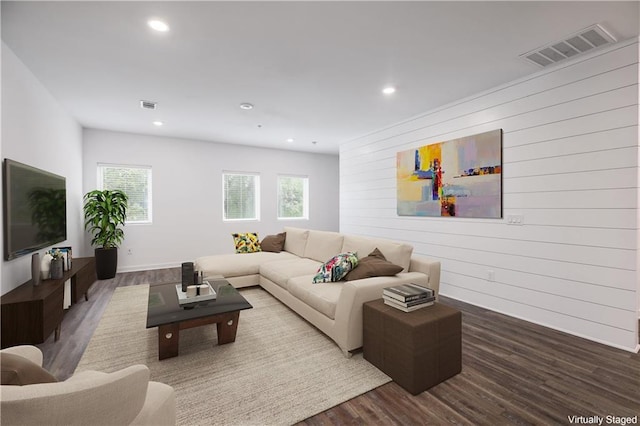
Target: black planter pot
[{"x": 106, "y": 262}]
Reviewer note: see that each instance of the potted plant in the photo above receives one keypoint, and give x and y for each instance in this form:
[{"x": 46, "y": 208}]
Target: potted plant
[{"x": 104, "y": 213}]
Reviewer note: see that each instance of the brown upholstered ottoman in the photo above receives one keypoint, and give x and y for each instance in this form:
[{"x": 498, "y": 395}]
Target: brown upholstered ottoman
[{"x": 417, "y": 349}]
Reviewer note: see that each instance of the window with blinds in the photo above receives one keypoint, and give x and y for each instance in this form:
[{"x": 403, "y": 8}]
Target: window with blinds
[
  {"x": 135, "y": 181},
  {"x": 241, "y": 192},
  {"x": 293, "y": 197}
]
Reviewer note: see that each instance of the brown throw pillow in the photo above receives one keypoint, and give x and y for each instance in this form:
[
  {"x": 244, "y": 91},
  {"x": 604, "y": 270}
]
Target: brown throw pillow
[
  {"x": 17, "y": 370},
  {"x": 374, "y": 265},
  {"x": 273, "y": 243}
]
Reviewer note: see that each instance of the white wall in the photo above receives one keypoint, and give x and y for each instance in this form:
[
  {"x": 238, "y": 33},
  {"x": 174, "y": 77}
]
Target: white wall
[
  {"x": 37, "y": 131},
  {"x": 187, "y": 193},
  {"x": 570, "y": 157}
]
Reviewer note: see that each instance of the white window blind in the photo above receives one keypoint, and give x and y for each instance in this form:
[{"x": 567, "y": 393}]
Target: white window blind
[
  {"x": 135, "y": 181},
  {"x": 293, "y": 197},
  {"x": 241, "y": 196}
]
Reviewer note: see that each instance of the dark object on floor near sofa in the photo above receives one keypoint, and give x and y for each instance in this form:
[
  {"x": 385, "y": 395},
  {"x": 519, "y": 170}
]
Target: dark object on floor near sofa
[
  {"x": 106, "y": 262},
  {"x": 418, "y": 349},
  {"x": 105, "y": 213}
]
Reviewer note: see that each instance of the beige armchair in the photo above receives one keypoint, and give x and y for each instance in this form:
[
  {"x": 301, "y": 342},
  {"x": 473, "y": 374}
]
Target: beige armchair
[{"x": 124, "y": 397}]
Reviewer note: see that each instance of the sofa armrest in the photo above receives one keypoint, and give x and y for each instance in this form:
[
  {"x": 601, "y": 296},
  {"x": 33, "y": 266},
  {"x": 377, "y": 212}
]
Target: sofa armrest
[
  {"x": 427, "y": 266},
  {"x": 32, "y": 353},
  {"x": 349, "y": 309},
  {"x": 93, "y": 398},
  {"x": 159, "y": 407}
]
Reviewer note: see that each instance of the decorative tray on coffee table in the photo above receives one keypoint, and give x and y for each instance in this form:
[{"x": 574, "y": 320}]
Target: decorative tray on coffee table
[{"x": 182, "y": 296}]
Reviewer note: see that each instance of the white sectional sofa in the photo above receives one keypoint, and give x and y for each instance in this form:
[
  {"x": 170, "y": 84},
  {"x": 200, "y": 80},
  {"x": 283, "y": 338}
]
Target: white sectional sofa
[{"x": 334, "y": 308}]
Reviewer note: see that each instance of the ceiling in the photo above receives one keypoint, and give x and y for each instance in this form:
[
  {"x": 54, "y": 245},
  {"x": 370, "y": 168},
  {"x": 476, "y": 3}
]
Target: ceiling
[{"x": 313, "y": 70}]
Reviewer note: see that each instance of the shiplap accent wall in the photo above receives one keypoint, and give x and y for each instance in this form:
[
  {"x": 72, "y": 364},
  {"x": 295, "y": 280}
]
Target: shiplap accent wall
[{"x": 570, "y": 167}]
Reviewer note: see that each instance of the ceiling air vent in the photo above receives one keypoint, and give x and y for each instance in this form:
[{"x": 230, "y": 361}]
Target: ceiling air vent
[
  {"x": 575, "y": 44},
  {"x": 148, "y": 104}
]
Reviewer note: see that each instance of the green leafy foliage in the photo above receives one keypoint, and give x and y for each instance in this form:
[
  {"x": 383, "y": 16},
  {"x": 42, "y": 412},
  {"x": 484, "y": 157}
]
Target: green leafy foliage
[
  {"x": 105, "y": 213},
  {"x": 135, "y": 183},
  {"x": 49, "y": 212},
  {"x": 291, "y": 197}
]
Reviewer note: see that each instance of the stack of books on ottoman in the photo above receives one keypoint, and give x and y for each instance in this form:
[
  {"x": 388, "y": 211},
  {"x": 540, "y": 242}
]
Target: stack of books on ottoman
[{"x": 408, "y": 297}]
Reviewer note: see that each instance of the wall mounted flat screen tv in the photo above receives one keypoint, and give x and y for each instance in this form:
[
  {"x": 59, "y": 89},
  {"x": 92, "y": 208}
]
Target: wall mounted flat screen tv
[{"x": 35, "y": 209}]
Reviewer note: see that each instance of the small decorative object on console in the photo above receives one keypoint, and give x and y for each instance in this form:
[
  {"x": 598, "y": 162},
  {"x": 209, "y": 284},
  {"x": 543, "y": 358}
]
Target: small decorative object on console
[
  {"x": 45, "y": 266},
  {"x": 35, "y": 269},
  {"x": 57, "y": 264},
  {"x": 66, "y": 255}
]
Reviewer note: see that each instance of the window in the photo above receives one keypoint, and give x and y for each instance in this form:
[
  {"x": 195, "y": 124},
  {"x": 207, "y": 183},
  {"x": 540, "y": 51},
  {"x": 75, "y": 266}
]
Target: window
[
  {"x": 293, "y": 197},
  {"x": 135, "y": 181},
  {"x": 241, "y": 196}
]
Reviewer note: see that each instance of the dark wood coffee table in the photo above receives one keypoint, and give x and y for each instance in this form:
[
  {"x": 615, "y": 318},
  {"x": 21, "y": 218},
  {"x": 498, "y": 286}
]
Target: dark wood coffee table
[{"x": 170, "y": 317}]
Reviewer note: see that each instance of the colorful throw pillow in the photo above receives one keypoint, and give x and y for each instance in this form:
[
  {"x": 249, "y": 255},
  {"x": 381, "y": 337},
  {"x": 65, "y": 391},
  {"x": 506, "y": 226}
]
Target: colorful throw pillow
[
  {"x": 273, "y": 243},
  {"x": 374, "y": 265},
  {"x": 336, "y": 268},
  {"x": 247, "y": 242},
  {"x": 20, "y": 371}
]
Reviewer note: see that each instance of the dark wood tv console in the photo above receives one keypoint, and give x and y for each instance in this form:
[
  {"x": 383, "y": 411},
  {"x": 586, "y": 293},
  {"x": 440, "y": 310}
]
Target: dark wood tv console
[{"x": 31, "y": 313}]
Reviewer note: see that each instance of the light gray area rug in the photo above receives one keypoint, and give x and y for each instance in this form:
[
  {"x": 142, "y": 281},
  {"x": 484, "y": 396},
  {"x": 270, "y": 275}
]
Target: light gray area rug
[{"x": 280, "y": 369}]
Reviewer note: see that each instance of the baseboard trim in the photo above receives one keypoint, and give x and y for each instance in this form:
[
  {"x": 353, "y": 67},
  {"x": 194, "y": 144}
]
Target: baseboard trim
[
  {"x": 137, "y": 268},
  {"x": 572, "y": 333}
]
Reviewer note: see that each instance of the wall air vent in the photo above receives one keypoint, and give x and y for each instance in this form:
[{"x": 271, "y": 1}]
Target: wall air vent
[
  {"x": 575, "y": 44},
  {"x": 148, "y": 104}
]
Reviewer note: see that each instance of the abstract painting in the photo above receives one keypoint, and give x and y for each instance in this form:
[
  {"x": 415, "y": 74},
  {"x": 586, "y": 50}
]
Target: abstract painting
[{"x": 461, "y": 177}]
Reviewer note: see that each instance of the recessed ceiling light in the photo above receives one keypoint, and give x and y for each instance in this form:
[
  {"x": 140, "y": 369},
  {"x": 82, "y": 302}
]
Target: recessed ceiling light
[
  {"x": 158, "y": 123},
  {"x": 290, "y": 140},
  {"x": 246, "y": 105},
  {"x": 158, "y": 25},
  {"x": 389, "y": 90}
]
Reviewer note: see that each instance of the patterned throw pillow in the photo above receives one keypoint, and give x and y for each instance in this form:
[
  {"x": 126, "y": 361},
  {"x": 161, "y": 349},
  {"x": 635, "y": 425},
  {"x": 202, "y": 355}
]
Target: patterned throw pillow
[
  {"x": 247, "y": 242},
  {"x": 336, "y": 268}
]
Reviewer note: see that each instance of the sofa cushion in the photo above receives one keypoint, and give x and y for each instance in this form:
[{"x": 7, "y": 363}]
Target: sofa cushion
[
  {"x": 374, "y": 265},
  {"x": 323, "y": 297},
  {"x": 396, "y": 253},
  {"x": 17, "y": 370},
  {"x": 322, "y": 245},
  {"x": 273, "y": 243},
  {"x": 296, "y": 240},
  {"x": 247, "y": 242},
  {"x": 232, "y": 265},
  {"x": 281, "y": 271},
  {"x": 336, "y": 268}
]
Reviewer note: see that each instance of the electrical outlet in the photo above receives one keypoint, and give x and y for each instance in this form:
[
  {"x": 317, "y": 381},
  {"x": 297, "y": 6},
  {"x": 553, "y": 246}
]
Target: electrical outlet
[
  {"x": 129, "y": 252},
  {"x": 515, "y": 219},
  {"x": 491, "y": 275}
]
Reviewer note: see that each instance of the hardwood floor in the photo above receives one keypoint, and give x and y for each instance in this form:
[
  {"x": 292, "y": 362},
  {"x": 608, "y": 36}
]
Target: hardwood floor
[
  {"x": 513, "y": 372},
  {"x": 79, "y": 323}
]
